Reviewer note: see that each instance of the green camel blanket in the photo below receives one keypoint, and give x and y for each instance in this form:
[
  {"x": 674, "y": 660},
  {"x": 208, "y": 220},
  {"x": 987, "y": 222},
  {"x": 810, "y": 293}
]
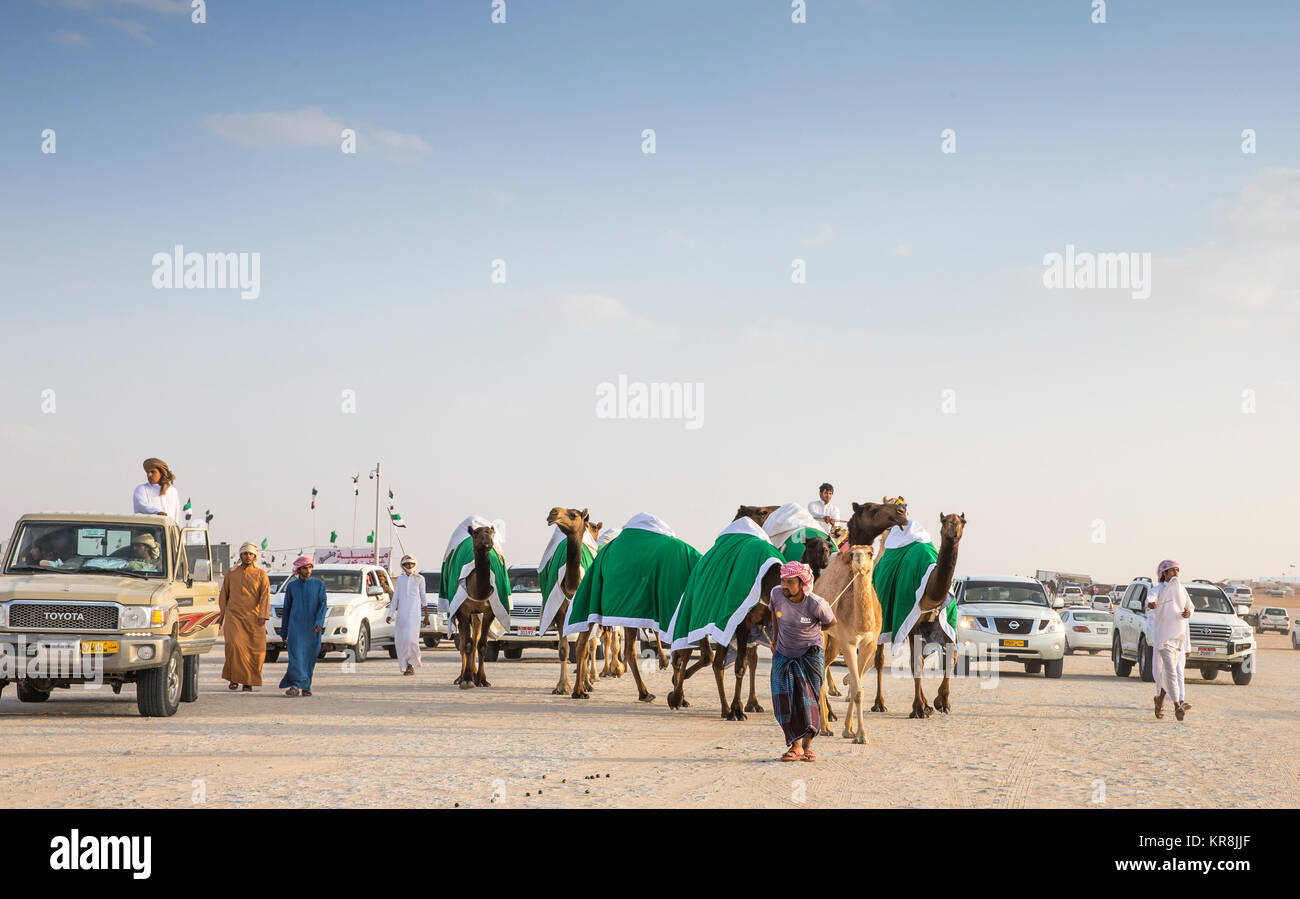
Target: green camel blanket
[
  {"x": 636, "y": 580},
  {"x": 900, "y": 578},
  {"x": 789, "y": 528},
  {"x": 793, "y": 547},
  {"x": 459, "y": 562},
  {"x": 724, "y": 586},
  {"x": 551, "y": 570}
]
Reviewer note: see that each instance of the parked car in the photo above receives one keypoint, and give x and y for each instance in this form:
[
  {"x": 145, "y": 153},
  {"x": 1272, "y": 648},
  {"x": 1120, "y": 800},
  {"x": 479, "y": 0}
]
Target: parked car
[
  {"x": 1279, "y": 590},
  {"x": 1102, "y": 602},
  {"x": 1220, "y": 639},
  {"x": 437, "y": 629},
  {"x": 1086, "y": 629},
  {"x": 1072, "y": 594},
  {"x": 1008, "y": 618},
  {"x": 1272, "y": 618},
  {"x": 354, "y": 621}
]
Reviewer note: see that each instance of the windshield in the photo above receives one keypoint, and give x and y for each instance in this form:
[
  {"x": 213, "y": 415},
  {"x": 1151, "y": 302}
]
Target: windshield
[
  {"x": 339, "y": 581},
  {"x": 988, "y": 591},
  {"x": 90, "y": 547},
  {"x": 431, "y": 581},
  {"x": 524, "y": 580},
  {"x": 1210, "y": 599}
]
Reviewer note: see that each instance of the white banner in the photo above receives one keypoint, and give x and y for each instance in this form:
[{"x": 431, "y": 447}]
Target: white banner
[{"x": 353, "y": 555}]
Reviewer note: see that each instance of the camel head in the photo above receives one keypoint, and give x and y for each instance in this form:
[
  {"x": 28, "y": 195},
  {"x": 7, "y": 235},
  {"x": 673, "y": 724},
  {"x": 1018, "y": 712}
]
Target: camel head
[
  {"x": 875, "y": 518},
  {"x": 484, "y": 538},
  {"x": 571, "y": 521},
  {"x": 757, "y": 514},
  {"x": 952, "y": 526},
  {"x": 593, "y": 527},
  {"x": 817, "y": 554},
  {"x": 862, "y": 561}
]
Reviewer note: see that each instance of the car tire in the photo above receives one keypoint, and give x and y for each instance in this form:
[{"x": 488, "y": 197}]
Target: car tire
[
  {"x": 432, "y": 642},
  {"x": 362, "y": 648},
  {"x": 514, "y": 654},
  {"x": 1240, "y": 676},
  {"x": 1053, "y": 667},
  {"x": 1145, "y": 669},
  {"x": 493, "y": 651},
  {"x": 1034, "y": 666},
  {"x": 273, "y": 653},
  {"x": 1123, "y": 667},
  {"x": 158, "y": 690},
  {"x": 28, "y": 693},
  {"x": 190, "y": 683},
  {"x": 1209, "y": 673}
]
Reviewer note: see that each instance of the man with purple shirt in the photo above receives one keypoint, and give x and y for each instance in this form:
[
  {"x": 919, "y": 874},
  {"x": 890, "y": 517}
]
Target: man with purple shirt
[{"x": 798, "y": 618}]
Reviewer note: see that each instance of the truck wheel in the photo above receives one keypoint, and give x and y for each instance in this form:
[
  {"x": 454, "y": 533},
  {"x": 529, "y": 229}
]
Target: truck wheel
[
  {"x": 492, "y": 652},
  {"x": 1209, "y": 673},
  {"x": 1145, "y": 671},
  {"x": 158, "y": 690},
  {"x": 28, "y": 693},
  {"x": 432, "y": 642},
  {"x": 362, "y": 649},
  {"x": 190, "y": 685},
  {"x": 273, "y": 653},
  {"x": 1033, "y": 667},
  {"x": 514, "y": 654},
  {"x": 1123, "y": 667},
  {"x": 1053, "y": 668},
  {"x": 392, "y": 650},
  {"x": 1240, "y": 676}
]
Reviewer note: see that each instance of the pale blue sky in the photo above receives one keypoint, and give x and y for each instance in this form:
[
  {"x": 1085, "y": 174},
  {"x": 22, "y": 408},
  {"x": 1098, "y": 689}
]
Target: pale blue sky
[{"x": 774, "y": 142}]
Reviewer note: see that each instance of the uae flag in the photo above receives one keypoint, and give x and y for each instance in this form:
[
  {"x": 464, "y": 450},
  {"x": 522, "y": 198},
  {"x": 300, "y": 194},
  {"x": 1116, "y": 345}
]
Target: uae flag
[
  {"x": 334, "y": 535},
  {"x": 396, "y": 517},
  {"x": 313, "y": 497}
]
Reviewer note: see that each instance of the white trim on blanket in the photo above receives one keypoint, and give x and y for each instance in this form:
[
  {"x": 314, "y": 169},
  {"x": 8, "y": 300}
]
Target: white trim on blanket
[{"x": 723, "y": 637}]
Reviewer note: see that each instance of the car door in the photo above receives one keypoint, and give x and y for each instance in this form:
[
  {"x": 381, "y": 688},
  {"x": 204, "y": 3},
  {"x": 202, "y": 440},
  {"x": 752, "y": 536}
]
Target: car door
[
  {"x": 1136, "y": 620},
  {"x": 377, "y": 607}
]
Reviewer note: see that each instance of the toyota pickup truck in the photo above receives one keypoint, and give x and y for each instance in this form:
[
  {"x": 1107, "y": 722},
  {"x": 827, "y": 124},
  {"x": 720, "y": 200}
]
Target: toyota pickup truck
[
  {"x": 112, "y": 600},
  {"x": 1221, "y": 641}
]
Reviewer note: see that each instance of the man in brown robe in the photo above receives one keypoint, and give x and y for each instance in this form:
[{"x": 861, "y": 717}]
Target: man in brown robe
[{"x": 245, "y": 604}]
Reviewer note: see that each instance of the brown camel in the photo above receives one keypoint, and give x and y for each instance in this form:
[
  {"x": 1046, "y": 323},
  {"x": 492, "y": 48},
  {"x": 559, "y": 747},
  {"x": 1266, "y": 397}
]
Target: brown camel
[
  {"x": 759, "y": 615},
  {"x": 573, "y": 522},
  {"x": 474, "y": 617},
  {"x": 816, "y": 555},
  {"x": 927, "y": 629}
]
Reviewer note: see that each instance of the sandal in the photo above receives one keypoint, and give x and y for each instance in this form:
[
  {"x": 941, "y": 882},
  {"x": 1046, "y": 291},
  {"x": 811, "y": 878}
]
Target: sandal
[
  {"x": 792, "y": 755},
  {"x": 233, "y": 686},
  {"x": 1160, "y": 707},
  {"x": 292, "y": 691},
  {"x": 1179, "y": 708},
  {"x": 809, "y": 756},
  {"x": 247, "y": 688}
]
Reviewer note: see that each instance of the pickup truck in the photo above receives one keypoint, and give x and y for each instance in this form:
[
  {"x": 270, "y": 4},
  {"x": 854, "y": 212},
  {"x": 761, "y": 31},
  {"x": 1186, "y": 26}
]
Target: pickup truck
[
  {"x": 1221, "y": 641},
  {"x": 354, "y": 620},
  {"x": 107, "y": 599}
]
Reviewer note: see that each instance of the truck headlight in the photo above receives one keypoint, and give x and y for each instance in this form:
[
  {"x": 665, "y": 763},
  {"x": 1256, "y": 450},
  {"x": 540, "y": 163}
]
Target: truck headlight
[
  {"x": 133, "y": 617},
  {"x": 1053, "y": 627},
  {"x": 338, "y": 611},
  {"x": 966, "y": 622},
  {"x": 1241, "y": 633},
  {"x": 4, "y": 615}
]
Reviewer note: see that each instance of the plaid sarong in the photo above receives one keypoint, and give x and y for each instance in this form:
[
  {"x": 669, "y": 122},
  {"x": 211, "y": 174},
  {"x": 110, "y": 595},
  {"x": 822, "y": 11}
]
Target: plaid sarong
[{"x": 796, "y": 693}]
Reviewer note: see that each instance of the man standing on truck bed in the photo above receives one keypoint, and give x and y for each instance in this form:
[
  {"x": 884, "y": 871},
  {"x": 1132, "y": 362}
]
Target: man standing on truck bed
[
  {"x": 245, "y": 604},
  {"x": 156, "y": 495}
]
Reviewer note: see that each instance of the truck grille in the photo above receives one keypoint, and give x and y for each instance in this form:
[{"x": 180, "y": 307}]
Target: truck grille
[
  {"x": 62, "y": 616},
  {"x": 1023, "y": 625},
  {"x": 1210, "y": 631}
]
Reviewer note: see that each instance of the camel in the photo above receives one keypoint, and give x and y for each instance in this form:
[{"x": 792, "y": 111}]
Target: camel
[
  {"x": 816, "y": 555},
  {"x": 927, "y": 628},
  {"x": 474, "y": 617},
  {"x": 573, "y": 522},
  {"x": 760, "y": 614}
]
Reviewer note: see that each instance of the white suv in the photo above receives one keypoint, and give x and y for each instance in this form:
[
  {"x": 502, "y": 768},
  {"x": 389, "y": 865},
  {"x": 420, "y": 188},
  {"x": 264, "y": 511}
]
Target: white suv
[
  {"x": 1009, "y": 619},
  {"x": 1073, "y": 595},
  {"x": 354, "y": 621},
  {"x": 1273, "y": 619},
  {"x": 1220, "y": 640}
]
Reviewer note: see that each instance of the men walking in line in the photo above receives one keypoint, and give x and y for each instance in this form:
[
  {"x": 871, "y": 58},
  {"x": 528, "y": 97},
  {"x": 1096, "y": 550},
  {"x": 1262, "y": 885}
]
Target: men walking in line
[
  {"x": 304, "y": 620},
  {"x": 245, "y": 604},
  {"x": 407, "y": 614}
]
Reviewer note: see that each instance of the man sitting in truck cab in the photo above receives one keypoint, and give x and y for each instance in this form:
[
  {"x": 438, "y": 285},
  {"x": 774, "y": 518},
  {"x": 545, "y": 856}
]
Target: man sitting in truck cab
[
  {"x": 41, "y": 554},
  {"x": 144, "y": 553}
]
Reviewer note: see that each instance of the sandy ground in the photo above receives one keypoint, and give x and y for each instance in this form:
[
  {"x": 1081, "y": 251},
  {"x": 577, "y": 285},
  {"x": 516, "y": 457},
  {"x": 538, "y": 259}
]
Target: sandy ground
[{"x": 370, "y": 737}]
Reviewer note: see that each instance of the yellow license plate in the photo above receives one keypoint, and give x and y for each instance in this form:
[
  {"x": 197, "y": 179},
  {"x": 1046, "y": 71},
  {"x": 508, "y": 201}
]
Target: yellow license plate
[
  {"x": 1013, "y": 642},
  {"x": 99, "y": 647}
]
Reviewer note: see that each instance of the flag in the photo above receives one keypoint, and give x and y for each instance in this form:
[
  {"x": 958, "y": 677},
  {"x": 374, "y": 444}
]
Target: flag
[
  {"x": 264, "y": 543},
  {"x": 396, "y": 517},
  {"x": 313, "y": 498},
  {"x": 390, "y": 493},
  {"x": 356, "y": 490},
  {"x": 207, "y": 516},
  {"x": 334, "y": 535},
  {"x": 371, "y": 538},
  {"x": 188, "y": 505}
]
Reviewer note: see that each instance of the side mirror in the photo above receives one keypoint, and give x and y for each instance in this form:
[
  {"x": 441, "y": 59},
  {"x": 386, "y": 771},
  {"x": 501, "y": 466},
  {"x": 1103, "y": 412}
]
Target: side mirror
[{"x": 375, "y": 591}]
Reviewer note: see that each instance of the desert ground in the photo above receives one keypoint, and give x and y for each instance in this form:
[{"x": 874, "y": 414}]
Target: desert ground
[{"x": 370, "y": 737}]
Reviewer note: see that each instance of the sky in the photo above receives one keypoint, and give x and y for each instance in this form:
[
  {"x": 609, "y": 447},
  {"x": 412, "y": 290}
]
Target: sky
[{"x": 1087, "y": 430}]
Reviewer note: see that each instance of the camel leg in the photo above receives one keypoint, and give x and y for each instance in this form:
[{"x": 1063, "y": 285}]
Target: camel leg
[
  {"x": 590, "y": 672},
  {"x": 719, "y": 666},
  {"x": 680, "y": 659},
  {"x": 480, "y": 678},
  {"x": 742, "y": 657},
  {"x": 579, "y": 674},
  {"x": 562, "y": 687},
  {"x": 832, "y": 650},
  {"x": 629, "y": 658},
  {"x": 880, "y": 679},
  {"x": 853, "y": 714},
  {"x": 465, "y": 639},
  {"x": 663, "y": 656},
  {"x": 920, "y": 708},
  {"x": 941, "y": 701},
  {"x": 751, "y": 660}
]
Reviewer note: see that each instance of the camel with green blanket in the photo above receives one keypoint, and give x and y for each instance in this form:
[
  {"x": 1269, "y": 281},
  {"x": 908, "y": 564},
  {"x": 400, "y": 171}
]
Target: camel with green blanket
[
  {"x": 725, "y": 597},
  {"x": 912, "y": 580},
  {"x": 635, "y": 581},
  {"x": 563, "y": 564},
  {"x": 477, "y": 587}
]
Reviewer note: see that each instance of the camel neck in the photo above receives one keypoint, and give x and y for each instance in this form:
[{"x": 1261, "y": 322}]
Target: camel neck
[{"x": 572, "y": 563}]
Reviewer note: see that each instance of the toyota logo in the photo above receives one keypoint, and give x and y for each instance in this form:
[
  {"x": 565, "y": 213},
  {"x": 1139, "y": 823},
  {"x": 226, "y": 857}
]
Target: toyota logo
[
  {"x": 64, "y": 616},
  {"x": 1014, "y": 625}
]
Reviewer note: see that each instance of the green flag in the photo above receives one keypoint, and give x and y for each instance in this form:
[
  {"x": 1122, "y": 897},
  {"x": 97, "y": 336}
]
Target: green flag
[
  {"x": 334, "y": 535},
  {"x": 371, "y": 538},
  {"x": 187, "y": 506},
  {"x": 264, "y": 543}
]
